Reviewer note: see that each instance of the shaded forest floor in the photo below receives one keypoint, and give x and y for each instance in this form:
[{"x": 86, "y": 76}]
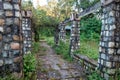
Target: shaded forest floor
[{"x": 51, "y": 66}]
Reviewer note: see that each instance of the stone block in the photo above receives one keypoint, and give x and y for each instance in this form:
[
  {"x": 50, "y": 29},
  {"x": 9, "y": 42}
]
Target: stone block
[
  {"x": 23, "y": 13},
  {"x": 112, "y": 27},
  {"x": 17, "y": 14},
  {"x": 112, "y": 13},
  {"x": 4, "y": 54},
  {"x": 7, "y": 6},
  {"x": 1, "y": 62},
  {"x": 8, "y": 0},
  {"x": 110, "y": 51},
  {"x": 1, "y": 5},
  {"x": 16, "y": 7},
  {"x": 16, "y": 53},
  {"x": 109, "y": 64},
  {"x": 16, "y": 1},
  {"x": 6, "y": 47},
  {"x": 17, "y": 67},
  {"x": 9, "y": 13},
  {"x": 106, "y": 2},
  {"x": 118, "y": 51},
  {"x": 8, "y": 61},
  {"x": 15, "y": 46},
  {"x": 17, "y": 59},
  {"x": 1, "y": 29},
  {"x": 17, "y": 21},
  {"x": 9, "y": 21},
  {"x": 8, "y": 29},
  {"x": 103, "y": 56},
  {"x": 2, "y": 22},
  {"x": 1, "y": 13},
  {"x": 7, "y": 38},
  {"x": 111, "y": 44},
  {"x": 16, "y": 38}
]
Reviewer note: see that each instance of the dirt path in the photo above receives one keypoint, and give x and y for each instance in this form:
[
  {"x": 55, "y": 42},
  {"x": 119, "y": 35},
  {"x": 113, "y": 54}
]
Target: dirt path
[{"x": 53, "y": 67}]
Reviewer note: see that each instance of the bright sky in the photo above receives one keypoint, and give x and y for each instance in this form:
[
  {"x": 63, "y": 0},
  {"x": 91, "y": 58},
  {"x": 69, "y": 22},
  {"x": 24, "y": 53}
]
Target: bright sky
[
  {"x": 41, "y": 2},
  {"x": 38, "y": 2}
]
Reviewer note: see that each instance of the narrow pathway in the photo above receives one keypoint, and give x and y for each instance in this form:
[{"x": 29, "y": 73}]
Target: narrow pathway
[{"x": 53, "y": 67}]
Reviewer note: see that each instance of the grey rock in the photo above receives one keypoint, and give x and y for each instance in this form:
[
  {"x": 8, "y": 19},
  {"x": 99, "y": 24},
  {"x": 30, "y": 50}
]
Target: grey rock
[
  {"x": 7, "y": 6},
  {"x": 1, "y": 62}
]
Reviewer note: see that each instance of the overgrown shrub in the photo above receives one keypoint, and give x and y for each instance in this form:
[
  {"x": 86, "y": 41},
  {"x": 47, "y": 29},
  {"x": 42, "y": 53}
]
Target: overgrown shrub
[
  {"x": 46, "y": 31},
  {"x": 94, "y": 76},
  {"x": 36, "y": 46},
  {"x": 88, "y": 48},
  {"x": 63, "y": 49},
  {"x": 50, "y": 41},
  {"x": 90, "y": 28},
  {"x": 30, "y": 61}
]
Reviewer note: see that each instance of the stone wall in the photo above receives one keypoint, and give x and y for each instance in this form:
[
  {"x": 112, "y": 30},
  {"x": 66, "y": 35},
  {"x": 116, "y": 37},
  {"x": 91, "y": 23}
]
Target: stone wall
[
  {"x": 89, "y": 65},
  {"x": 26, "y": 31},
  {"x": 109, "y": 58},
  {"x": 62, "y": 33},
  {"x": 10, "y": 37},
  {"x": 75, "y": 34}
]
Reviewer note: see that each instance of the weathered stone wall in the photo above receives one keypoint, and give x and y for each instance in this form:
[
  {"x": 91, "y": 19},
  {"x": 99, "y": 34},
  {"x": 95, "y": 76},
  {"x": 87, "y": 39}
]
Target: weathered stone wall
[
  {"x": 62, "y": 33},
  {"x": 26, "y": 31},
  {"x": 109, "y": 58},
  {"x": 89, "y": 65},
  {"x": 10, "y": 37},
  {"x": 75, "y": 34}
]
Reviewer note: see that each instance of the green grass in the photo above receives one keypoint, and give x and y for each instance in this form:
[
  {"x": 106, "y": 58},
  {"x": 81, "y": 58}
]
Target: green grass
[
  {"x": 63, "y": 50},
  {"x": 89, "y": 48},
  {"x": 50, "y": 40},
  {"x": 36, "y": 47},
  {"x": 94, "y": 76}
]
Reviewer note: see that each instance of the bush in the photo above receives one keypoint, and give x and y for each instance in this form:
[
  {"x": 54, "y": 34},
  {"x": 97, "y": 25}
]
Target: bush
[
  {"x": 29, "y": 64},
  {"x": 90, "y": 28},
  {"x": 36, "y": 46},
  {"x": 9, "y": 77},
  {"x": 94, "y": 76},
  {"x": 50, "y": 41},
  {"x": 88, "y": 48},
  {"x": 46, "y": 31},
  {"x": 63, "y": 50}
]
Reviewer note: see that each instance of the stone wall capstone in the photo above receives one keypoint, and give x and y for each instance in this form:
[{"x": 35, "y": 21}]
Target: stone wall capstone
[{"x": 10, "y": 38}]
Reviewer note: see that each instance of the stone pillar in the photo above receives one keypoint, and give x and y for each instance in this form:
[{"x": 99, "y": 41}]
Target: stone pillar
[
  {"x": 26, "y": 31},
  {"x": 75, "y": 34},
  {"x": 62, "y": 34},
  {"x": 10, "y": 38},
  {"x": 109, "y": 58},
  {"x": 56, "y": 36}
]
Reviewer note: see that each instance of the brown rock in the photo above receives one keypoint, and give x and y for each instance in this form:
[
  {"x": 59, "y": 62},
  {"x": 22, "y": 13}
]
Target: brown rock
[
  {"x": 18, "y": 59},
  {"x": 9, "y": 13},
  {"x": 0, "y": 37},
  {"x": 16, "y": 37},
  {"x": 15, "y": 46},
  {"x": 2, "y": 21}
]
